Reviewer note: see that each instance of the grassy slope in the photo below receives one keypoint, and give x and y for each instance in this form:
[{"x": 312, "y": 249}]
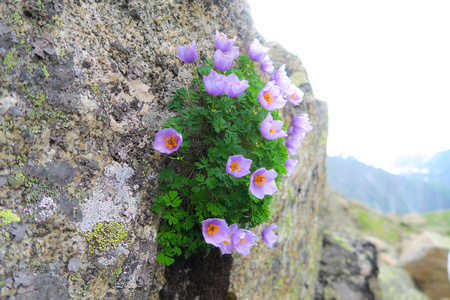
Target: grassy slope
[{"x": 437, "y": 218}]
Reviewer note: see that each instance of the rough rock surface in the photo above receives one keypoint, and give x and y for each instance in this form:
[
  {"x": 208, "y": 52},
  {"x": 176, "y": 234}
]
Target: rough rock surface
[
  {"x": 290, "y": 269},
  {"x": 425, "y": 258},
  {"x": 84, "y": 86},
  {"x": 348, "y": 270},
  {"x": 396, "y": 284}
]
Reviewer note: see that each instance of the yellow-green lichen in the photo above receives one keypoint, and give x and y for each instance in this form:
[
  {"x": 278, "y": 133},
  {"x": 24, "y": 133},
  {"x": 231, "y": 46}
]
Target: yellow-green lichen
[
  {"x": 14, "y": 19},
  {"x": 46, "y": 74},
  {"x": 16, "y": 179},
  {"x": 118, "y": 270},
  {"x": 96, "y": 90},
  {"x": 7, "y": 217},
  {"x": 105, "y": 235},
  {"x": 58, "y": 22},
  {"x": 9, "y": 62},
  {"x": 75, "y": 277}
]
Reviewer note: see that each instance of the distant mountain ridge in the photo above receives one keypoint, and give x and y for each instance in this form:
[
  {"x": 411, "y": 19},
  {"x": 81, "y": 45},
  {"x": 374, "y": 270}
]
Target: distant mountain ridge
[{"x": 412, "y": 192}]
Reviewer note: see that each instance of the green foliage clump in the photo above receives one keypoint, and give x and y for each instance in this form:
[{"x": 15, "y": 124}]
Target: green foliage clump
[
  {"x": 105, "y": 235},
  {"x": 213, "y": 129}
]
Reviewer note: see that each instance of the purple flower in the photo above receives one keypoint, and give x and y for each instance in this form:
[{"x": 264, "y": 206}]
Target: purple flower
[
  {"x": 235, "y": 88},
  {"x": 223, "y": 42},
  {"x": 301, "y": 123},
  {"x": 222, "y": 61},
  {"x": 281, "y": 79},
  {"x": 187, "y": 53},
  {"x": 290, "y": 166},
  {"x": 257, "y": 52},
  {"x": 238, "y": 166},
  {"x": 270, "y": 97},
  {"x": 268, "y": 236},
  {"x": 215, "y": 83},
  {"x": 262, "y": 183},
  {"x": 267, "y": 65},
  {"x": 234, "y": 52},
  {"x": 292, "y": 145},
  {"x": 167, "y": 140},
  {"x": 242, "y": 241},
  {"x": 293, "y": 94},
  {"x": 215, "y": 231},
  {"x": 227, "y": 245},
  {"x": 271, "y": 129},
  {"x": 295, "y": 134}
]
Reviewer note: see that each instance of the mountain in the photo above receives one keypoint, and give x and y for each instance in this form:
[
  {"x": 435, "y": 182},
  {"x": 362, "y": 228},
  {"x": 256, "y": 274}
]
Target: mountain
[{"x": 411, "y": 192}]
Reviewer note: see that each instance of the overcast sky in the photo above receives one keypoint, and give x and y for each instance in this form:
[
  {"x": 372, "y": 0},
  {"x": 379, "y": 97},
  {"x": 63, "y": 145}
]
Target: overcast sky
[{"x": 382, "y": 66}]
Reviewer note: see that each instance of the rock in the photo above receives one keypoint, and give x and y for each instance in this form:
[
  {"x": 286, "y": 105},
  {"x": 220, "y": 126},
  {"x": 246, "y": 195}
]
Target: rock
[
  {"x": 381, "y": 245},
  {"x": 290, "y": 268},
  {"x": 348, "y": 270},
  {"x": 46, "y": 287},
  {"x": 387, "y": 259},
  {"x": 23, "y": 278},
  {"x": 17, "y": 231},
  {"x": 74, "y": 264},
  {"x": 92, "y": 80},
  {"x": 397, "y": 284},
  {"x": 425, "y": 258},
  {"x": 14, "y": 111},
  {"x": 413, "y": 219}
]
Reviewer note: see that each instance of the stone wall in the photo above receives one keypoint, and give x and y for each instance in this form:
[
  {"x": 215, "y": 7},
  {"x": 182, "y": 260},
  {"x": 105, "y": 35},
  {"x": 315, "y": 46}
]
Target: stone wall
[{"x": 84, "y": 86}]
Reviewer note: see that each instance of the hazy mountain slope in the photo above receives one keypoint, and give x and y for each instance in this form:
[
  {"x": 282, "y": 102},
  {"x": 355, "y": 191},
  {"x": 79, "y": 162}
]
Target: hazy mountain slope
[{"x": 384, "y": 191}]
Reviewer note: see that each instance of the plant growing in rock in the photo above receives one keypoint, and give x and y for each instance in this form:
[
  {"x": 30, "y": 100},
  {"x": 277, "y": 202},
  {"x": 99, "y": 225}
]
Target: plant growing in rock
[{"x": 228, "y": 139}]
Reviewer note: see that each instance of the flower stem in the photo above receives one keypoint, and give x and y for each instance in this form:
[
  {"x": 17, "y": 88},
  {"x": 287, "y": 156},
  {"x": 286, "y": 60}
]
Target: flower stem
[
  {"x": 254, "y": 114},
  {"x": 246, "y": 68},
  {"x": 199, "y": 85},
  {"x": 181, "y": 158}
]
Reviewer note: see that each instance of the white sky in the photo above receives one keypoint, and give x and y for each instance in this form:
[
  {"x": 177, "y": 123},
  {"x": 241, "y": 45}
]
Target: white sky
[{"x": 382, "y": 66}]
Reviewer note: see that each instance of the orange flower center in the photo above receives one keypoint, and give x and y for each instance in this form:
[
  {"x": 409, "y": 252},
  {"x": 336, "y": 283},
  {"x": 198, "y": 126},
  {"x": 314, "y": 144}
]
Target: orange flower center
[
  {"x": 171, "y": 141},
  {"x": 272, "y": 130},
  {"x": 242, "y": 240},
  {"x": 225, "y": 242},
  {"x": 260, "y": 179},
  {"x": 235, "y": 166},
  {"x": 268, "y": 96},
  {"x": 213, "y": 229},
  {"x": 292, "y": 96}
]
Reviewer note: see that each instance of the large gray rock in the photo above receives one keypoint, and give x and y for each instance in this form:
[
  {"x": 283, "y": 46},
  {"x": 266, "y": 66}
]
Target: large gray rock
[
  {"x": 84, "y": 86},
  {"x": 290, "y": 269},
  {"x": 348, "y": 270},
  {"x": 426, "y": 258}
]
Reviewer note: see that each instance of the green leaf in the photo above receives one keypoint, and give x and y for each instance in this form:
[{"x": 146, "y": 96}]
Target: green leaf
[
  {"x": 167, "y": 214},
  {"x": 200, "y": 178},
  {"x": 164, "y": 259},
  {"x": 174, "y": 200},
  {"x": 219, "y": 123},
  {"x": 211, "y": 182},
  {"x": 215, "y": 208},
  {"x": 167, "y": 174},
  {"x": 157, "y": 207}
]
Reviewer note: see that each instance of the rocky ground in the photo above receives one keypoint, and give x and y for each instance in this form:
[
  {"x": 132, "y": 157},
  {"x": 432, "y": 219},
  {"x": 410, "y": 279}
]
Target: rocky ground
[{"x": 407, "y": 254}]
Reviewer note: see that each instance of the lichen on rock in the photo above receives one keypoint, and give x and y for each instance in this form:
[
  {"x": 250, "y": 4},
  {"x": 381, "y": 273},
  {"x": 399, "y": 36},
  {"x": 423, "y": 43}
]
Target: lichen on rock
[
  {"x": 105, "y": 235},
  {"x": 84, "y": 86},
  {"x": 7, "y": 217}
]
